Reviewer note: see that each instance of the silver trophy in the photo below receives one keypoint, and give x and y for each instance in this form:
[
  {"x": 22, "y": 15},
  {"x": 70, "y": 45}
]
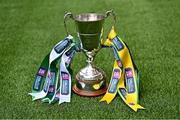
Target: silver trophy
[{"x": 91, "y": 81}]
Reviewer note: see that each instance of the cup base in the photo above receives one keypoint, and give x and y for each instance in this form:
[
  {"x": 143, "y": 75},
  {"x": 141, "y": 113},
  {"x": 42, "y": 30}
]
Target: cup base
[{"x": 89, "y": 93}]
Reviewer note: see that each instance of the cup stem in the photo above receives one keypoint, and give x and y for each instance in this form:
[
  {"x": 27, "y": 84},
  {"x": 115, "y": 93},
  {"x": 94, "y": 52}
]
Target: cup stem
[{"x": 90, "y": 57}]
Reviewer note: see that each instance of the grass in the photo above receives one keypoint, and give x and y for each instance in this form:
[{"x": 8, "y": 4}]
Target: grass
[{"x": 30, "y": 28}]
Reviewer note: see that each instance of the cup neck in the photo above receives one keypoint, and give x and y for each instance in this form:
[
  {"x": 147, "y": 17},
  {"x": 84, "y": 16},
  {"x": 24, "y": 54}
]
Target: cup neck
[{"x": 90, "y": 57}]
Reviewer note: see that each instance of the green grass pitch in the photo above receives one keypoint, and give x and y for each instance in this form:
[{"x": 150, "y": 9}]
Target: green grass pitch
[{"x": 30, "y": 28}]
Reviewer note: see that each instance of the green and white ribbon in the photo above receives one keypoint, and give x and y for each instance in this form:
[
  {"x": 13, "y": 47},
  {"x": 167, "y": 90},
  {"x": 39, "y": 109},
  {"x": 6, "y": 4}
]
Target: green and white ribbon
[
  {"x": 63, "y": 93},
  {"x": 65, "y": 76},
  {"x": 51, "y": 75},
  {"x": 53, "y": 79}
]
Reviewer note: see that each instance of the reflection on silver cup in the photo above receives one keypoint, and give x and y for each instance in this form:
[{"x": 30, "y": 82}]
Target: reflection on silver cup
[{"x": 91, "y": 81}]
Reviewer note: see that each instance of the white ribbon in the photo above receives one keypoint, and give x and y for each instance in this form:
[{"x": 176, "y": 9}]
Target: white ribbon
[
  {"x": 53, "y": 56},
  {"x": 65, "y": 77}
]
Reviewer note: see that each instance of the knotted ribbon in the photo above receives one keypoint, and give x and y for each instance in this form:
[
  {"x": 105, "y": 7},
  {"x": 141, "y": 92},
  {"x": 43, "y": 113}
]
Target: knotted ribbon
[
  {"x": 52, "y": 82},
  {"x": 125, "y": 77},
  {"x": 46, "y": 80}
]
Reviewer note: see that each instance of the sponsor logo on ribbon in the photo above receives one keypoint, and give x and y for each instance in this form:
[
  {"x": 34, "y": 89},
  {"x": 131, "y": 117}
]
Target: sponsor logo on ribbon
[
  {"x": 119, "y": 63},
  {"x": 123, "y": 92},
  {"x": 130, "y": 80},
  {"x": 37, "y": 83},
  {"x": 118, "y": 44},
  {"x": 57, "y": 95},
  {"x": 70, "y": 52},
  {"x": 113, "y": 85},
  {"x": 60, "y": 47},
  {"x": 116, "y": 73},
  {"x": 50, "y": 78},
  {"x": 42, "y": 71},
  {"x": 46, "y": 85},
  {"x": 129, "y": 73},
  {"x": 131, "y": 85},
  {"x": 65, "y": 83},
  {"x": 52, "y": 82}
]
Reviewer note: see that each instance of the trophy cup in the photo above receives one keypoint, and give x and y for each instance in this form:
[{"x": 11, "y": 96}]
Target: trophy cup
[{"x": 90, "y": 80}]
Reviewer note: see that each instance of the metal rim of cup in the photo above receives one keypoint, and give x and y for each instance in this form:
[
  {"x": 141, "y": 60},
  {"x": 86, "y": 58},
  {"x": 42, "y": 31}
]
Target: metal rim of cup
[
  {"x": 83, "y": 17},
  {"x": 89, "y": 17}
]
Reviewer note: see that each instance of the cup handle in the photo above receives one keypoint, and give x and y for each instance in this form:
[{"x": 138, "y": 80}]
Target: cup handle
[
  {"x": 70, "y": 15},
  {"x": 107, "y": 14},
  {"x": 111, "y": 13}
]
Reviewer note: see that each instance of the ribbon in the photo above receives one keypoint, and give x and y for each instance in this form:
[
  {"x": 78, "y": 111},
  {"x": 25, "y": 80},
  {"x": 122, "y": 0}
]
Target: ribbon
[
  {"x": 52, "y": 82},
  {"x": 63, "y": 93},
  {"x": 114, "y": 82},
  {"x": 127, "y": 86},
  {"x": 41, "y": 75},
  {"x": 52, "y": 87},
  {"x": 65, "y": 76},
  {"x": 51, "y": 75}
]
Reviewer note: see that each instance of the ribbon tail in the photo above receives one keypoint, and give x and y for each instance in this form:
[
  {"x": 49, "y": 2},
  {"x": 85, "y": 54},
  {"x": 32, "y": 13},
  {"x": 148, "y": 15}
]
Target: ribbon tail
[
  {"x": 136, "y": 107},
  {"x": 32, "y": 95},
  {"x": 62, "y": 101},
  {"x": 108, "y": 98},
  {"x": 46, "y": 100},
  {"x": 38, "y": 95},
  {"x": 132, "y": 104},
  {"x": 55, "y": 98}
]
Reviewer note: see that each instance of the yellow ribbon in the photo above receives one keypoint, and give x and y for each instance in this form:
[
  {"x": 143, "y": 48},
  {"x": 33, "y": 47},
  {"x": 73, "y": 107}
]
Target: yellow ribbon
[
  {"x": 128, "y": 92},
  {"x": 110, "y": 94}
]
